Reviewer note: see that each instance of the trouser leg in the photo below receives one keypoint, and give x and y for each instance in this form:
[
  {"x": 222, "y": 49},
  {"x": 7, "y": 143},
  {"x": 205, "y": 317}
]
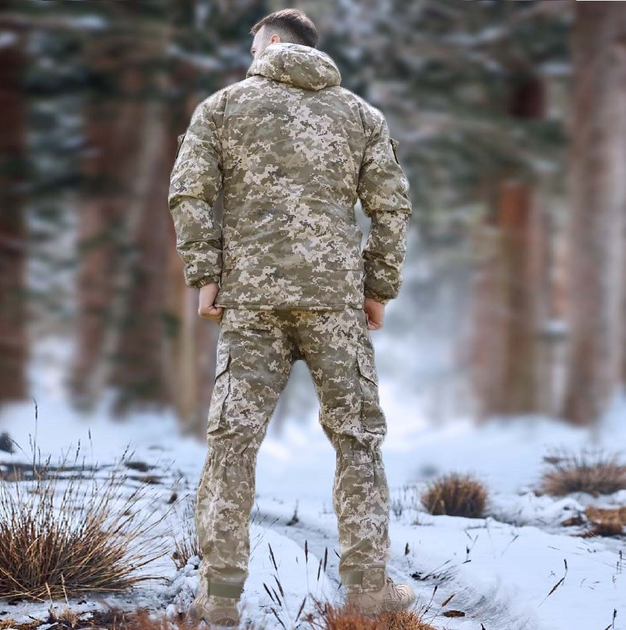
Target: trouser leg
[
  {"x": 339, "y": 352},
  {"x": 253, "y": 365}
]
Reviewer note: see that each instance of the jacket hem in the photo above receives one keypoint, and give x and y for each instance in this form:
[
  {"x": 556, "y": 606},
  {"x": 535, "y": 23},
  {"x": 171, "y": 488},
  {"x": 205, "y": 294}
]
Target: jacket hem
[{"x": 254, "y": 306}]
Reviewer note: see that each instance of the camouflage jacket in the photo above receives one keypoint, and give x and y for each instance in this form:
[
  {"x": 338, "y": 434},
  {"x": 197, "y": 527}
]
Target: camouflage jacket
[{"x": 292, "y": 152}]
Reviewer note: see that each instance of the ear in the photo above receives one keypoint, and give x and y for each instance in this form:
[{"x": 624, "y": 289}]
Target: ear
[{"x": 275, "y": 39}]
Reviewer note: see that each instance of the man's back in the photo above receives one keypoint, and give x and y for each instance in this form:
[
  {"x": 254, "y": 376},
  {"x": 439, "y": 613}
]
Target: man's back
[{"x": 292, "y": 151}]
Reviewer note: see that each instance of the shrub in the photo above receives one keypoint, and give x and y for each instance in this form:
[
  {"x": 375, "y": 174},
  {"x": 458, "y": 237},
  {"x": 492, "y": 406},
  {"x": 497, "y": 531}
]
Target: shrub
[
  {"x": 403, "y": 620},
  {"x": 604, "y": 528},
  {"x": 605, "y": 521},
  {"x": 329, "y": 617},
  {"x": 455, "y": 494},
  {"x": 116, "y": 619},
  {"x": 61, "y": 535},
  {"x": 592, "y": 472},
  {"x": 113, "y": 618}
]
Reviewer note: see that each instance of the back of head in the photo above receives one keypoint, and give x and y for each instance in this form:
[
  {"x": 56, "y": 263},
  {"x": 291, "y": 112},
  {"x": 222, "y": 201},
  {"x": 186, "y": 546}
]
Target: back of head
[{"x": 292, "y": 25}]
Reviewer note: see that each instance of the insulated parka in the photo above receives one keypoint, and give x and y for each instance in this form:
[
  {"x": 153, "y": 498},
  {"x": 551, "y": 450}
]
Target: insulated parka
[{"x": 292, "y": 151}]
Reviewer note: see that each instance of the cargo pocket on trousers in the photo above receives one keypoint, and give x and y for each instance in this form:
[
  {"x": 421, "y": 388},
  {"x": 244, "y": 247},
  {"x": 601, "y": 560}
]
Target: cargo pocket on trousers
[
  {"x": 221, "y": 388},
  {"x": 366, "y": 366},
  {"x": 372, "y": 417}
]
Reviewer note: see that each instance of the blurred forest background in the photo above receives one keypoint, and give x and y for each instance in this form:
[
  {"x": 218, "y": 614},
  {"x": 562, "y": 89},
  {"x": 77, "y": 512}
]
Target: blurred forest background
[{"x": 511, "y": 120}]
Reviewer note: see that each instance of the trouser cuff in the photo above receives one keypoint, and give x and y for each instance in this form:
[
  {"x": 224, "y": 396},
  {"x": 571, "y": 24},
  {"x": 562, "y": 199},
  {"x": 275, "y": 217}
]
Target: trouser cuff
[
  {"x": 231, "y": 590},
  {"x": 364, "y": 580}
]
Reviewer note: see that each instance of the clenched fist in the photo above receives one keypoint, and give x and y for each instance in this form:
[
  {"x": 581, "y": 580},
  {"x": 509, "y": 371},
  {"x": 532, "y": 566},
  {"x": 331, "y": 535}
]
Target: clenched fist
[
  {"x": 206, "y": 308},
  {"x": 374, "y": 313}
]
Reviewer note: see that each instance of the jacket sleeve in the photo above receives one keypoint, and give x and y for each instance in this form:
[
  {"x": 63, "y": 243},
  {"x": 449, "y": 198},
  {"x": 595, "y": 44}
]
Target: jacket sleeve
[
  {"x": 383, "y": 190},
  {"x": 195, "y": 183}
]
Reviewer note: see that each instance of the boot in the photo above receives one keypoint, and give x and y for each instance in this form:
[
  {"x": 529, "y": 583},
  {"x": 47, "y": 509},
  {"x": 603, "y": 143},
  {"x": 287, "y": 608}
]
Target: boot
[
  {"x": 391, "y": 597},
  {"x": 219, "y": 611}
]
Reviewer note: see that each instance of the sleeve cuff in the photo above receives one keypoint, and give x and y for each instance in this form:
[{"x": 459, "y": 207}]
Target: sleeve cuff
[
  {"x": 198, "y": 284},
  {"x": 375, "y": 296}
]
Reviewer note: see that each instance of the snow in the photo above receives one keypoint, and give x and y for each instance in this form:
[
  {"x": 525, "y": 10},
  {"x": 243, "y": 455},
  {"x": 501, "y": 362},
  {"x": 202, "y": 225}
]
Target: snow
[
  {"x": 530, "y": 509},
  {"x": 499, "y": 570},
  {"x": 296, "y": 574}
]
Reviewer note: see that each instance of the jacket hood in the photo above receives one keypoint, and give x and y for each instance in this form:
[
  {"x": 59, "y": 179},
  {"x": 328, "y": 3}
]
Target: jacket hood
[{"x": 296, "y": 64}]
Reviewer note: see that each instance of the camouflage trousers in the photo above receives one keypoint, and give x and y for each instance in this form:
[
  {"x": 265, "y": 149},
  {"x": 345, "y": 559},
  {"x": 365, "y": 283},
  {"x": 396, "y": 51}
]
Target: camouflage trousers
[{"x": 255, "y": 353}]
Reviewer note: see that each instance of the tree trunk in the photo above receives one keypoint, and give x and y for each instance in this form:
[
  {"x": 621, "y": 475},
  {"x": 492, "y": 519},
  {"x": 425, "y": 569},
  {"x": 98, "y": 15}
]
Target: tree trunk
[
  {"x": 13, "y": 332},
  {"x": 137, "y": 341},
  {"x": 598, "y": 201},
  {"x": 108, "y": 128},
  {"x": 487, "y": 341},
  {"x": 519, "y": 384},
  {"x": 123, "y": 224},
  {"x": 509, "y": 289},
  {"x": 506, "y": 288}
]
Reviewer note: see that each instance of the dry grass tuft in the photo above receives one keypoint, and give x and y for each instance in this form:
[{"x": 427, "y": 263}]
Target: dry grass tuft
[
  {"x": 605, "y": 522},
  {"x": 115, "y": 619},
  {"x": 607, "y": 529},
  {"x": 62, "y": 535},
  {"x": 329, "y": 617},
  {"x": 403, "y": 620},
  {"x": 112, "y": 619},
  {"x": 65, "y": 618},
  {"x": 456, "y": 494},
  {"x": 10, "y": 624},
  {"x": 592, "y": 472},
  {"x": 186, "y": 540}
]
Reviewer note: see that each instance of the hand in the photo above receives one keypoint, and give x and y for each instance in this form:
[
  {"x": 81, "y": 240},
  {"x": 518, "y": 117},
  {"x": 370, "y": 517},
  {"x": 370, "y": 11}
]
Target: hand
[
  {"x": 206, "y": 310},
  {"x": 374, "y": 314}
]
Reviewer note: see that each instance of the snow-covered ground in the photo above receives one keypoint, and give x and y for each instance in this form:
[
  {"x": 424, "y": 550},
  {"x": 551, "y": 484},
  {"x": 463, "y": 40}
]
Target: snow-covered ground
[{"x": 501, "y": 571}]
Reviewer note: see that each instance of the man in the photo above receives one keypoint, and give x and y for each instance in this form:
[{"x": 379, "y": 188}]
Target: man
[{"x": 292, "y": 151}]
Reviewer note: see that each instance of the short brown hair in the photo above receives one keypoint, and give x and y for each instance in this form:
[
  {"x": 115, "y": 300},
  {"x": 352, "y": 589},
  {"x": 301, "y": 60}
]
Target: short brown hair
[{"x": 293, "y": 24}]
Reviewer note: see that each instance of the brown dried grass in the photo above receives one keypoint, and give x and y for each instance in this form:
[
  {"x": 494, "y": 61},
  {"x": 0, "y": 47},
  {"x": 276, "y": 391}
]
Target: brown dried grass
[
  {"x": 403, "y": 620},
  {"x": 111, "y": 619},
  {"x": 329, "y": 617},
  {"x": 65, "y": 535},
  {"x": 456, "y": 494},
  {"x": 140, "y": 619},
  {"x": 605, "y": 521},
  {"x": 326, "y": 616},
  {"x": 593, "y": 472},
  {"x": 186, "y": 543}
]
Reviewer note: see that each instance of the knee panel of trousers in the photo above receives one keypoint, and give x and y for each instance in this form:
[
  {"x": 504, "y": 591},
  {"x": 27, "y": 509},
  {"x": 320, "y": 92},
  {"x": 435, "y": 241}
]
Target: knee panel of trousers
[{"x": 358, "y": 453}]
